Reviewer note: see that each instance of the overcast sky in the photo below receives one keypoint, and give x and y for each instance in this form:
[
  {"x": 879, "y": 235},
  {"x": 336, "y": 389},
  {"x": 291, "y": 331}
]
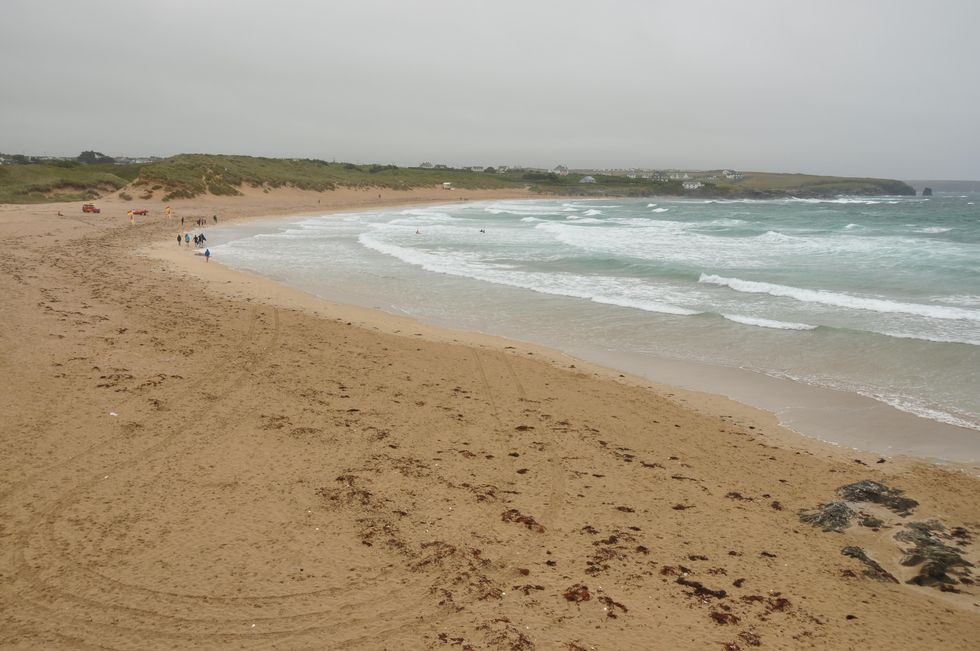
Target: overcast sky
[{"x": 852, "y": 87}]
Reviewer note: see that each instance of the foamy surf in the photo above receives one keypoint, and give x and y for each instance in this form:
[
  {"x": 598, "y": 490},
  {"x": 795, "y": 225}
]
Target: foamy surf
[
  {"x": 877, "y": 280},
  {"x": 767, "y": 323},
  {"x": 841, "y": 300}
]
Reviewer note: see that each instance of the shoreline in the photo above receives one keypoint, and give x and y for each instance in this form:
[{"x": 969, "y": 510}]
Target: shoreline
[
  {"x": 224, "y": 462},
  {"x": 820, "y": 416}
]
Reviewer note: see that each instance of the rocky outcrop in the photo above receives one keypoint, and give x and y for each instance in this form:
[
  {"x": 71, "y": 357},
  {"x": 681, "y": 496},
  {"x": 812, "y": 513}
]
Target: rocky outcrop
[
  {"x": 871, "y": 491},
  {"x": 937, "y": 559},
  {"x": 927, "y": 192},
  {"x": 873, "y": 571},
  {"x": 835, "y": 516}
]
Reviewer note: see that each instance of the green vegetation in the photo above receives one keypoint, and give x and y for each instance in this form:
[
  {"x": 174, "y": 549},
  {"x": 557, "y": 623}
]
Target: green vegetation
[
  {"x": 190, "y": 175},
  {"x": 62, "y": 181},
  {"x": 29, "y": 180},
  {"x": 605, "y": 184},
  {"x": 821, "y": 185}
]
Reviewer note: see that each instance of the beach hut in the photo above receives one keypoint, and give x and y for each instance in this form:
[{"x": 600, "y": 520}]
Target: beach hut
[{"x": 447, "y": 185}]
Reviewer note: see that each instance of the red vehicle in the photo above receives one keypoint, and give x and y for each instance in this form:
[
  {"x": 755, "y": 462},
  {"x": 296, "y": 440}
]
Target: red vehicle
[
  {"x": 90, "y": 207},
  {"x": 140, "y": 211}
]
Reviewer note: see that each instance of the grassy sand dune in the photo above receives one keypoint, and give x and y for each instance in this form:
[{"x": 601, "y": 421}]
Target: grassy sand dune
[{"x": 188, "y": 176}]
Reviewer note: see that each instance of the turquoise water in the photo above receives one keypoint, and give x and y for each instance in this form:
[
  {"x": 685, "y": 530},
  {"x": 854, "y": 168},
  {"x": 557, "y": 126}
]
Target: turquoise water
[{"x": 876, "y": 295}]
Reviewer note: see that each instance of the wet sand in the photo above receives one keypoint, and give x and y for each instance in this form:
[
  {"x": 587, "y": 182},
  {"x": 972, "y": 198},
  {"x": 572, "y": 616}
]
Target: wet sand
[{"x": 197, "y": 458}]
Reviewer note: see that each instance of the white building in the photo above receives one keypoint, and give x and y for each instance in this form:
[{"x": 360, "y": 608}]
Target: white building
[
  {"x": 587, "y": 179},
  {"x": 692, "y": 185},
  {"x": 732, "y": 175},
  {"x": 679, "y": 176}
]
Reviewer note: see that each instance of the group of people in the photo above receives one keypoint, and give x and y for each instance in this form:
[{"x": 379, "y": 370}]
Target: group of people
[
  {"x": 201, "y": 221},
  {"x": 199, "y": 241}
]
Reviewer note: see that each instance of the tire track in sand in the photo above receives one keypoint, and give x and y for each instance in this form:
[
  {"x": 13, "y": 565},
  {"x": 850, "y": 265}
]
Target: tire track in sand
[
  {"x": 551, "y": 508},
  {"x": 98, "y": 602}
]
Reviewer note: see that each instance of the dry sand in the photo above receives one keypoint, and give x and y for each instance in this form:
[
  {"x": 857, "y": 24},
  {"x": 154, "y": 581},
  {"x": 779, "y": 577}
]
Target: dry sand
[{"x": 196, "y": 458}]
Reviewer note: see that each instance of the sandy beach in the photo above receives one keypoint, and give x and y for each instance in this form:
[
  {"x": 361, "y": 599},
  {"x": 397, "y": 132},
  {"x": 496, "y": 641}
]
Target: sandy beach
[{"x": 194, "y": 457}]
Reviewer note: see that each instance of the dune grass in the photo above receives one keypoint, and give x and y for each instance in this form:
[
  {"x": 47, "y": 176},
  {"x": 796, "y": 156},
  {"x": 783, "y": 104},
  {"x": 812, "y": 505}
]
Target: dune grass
[{"x": 40, "y": 183}]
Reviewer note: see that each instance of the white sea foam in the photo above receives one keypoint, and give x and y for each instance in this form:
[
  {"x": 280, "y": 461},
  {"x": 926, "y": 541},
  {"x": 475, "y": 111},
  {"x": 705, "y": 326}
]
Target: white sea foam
[
  {"x": 842, "y": 300},
  {"x": 939, "y": 339},
  {"x": 917, "y": 407},
  {"x": 962, "y": 299},
  {"x": 647, "y": 306},
  {"x": 838, "y": 200},
  {"x": 768, "y": 323},
  {"x": 660, "y": 210},
  {"x": 651, "y": 205},
  {"x": 932, "y": 229},
  {"x": 592, "y": 212},
  {"x": 598, "y": 290},
  {"x": 776, "y": 237},
  {"x": 520, "y": 208}
]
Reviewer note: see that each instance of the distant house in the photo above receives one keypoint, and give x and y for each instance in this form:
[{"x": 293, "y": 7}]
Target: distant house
[
  {"x": 732, "y": 175},
  {"x": 561, "y": 170},
  {"x": 631, "y": 174},
  {"x": 692, "y": 185},
  {"x": 426, "y": 166},
  {"x": 660, "y": 177},
  {"x": 440, "y": 166},
  {"x": 586, "y": 179},
  {"x": 477, "y": 168},
  {"x": 502, "y": 168},
  {"x": 679, "y": 176},
  {"x": 447, "y": 185}
]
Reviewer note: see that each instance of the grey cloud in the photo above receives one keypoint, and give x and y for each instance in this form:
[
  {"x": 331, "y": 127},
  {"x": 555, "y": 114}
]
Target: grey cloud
[{"x": 862, "y": 87}]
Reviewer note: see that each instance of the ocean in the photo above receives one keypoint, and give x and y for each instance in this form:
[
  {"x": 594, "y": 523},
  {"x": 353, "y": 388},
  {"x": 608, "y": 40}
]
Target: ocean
[{"x": 876, "y": 296}]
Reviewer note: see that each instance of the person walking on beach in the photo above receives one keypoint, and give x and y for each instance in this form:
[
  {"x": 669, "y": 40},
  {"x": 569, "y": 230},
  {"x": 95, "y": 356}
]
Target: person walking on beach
[
  {"x": 215, "y": 217},
  {"x": 178, "y": 239},
  {"x": 207, "y": 255},
  {"x": 187, "y": 239}
]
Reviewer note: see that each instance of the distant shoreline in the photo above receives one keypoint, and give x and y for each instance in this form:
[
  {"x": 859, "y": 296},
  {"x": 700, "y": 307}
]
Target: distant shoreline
[{"x": 808, "y": 411}]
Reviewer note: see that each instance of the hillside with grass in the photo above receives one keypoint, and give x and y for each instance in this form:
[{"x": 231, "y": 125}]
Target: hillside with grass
[
  {"x": 62, "y": 181},
  {"x": 810, "y": 185},
  {"x": 191, "y": 175}
]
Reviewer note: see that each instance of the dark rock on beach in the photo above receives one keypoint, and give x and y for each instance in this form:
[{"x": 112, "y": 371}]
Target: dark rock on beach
[
  {"x": 835, "y": 516},
  {"x": 874, "y": 571},
  {"x": 937, "y": 559},
  {"x": 871, "y": 491}
]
